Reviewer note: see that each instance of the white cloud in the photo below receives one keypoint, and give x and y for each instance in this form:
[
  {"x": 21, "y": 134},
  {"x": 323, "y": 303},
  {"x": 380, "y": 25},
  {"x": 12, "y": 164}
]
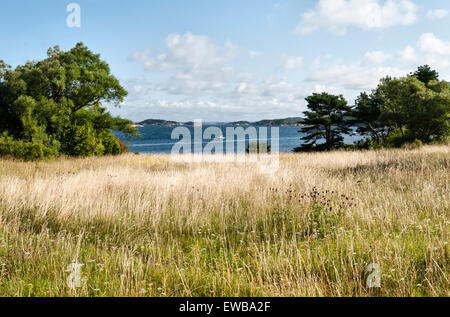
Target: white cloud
[
  {"x": 202, "y": 83},
  {"x": 253, "y": 53},
  {"x": 338, "y": 15},
  {"x": 197, "y": 64},
  {"x": 437, "y": 62},
  {"x": 254, "y": 107},
  {"x": 292, "y": 62},
  {"x": 282, "y": 89},
  {"x": 436, "y": 51},
  {"x": 437, "y": 14},
  {"x": 429, "y": 43},
  {"x": 408, "y": 54},
  {"x": 355, "y": 76},
  {"x": 377, "y": 57},
  {"x": 181, "y": 84},
  {"x": 241, "y": 88},
  {"x": 199, "y": 81},
  {"x": 188, "y": 53}
]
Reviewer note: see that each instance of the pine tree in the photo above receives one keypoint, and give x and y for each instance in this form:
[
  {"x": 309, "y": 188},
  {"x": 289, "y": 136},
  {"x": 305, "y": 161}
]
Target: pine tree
[{"x": 326, "y": 120}]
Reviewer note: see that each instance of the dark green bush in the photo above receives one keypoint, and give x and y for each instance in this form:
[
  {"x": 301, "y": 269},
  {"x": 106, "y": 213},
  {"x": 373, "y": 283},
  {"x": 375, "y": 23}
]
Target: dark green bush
[
  {"x": 81, "y": 141},
  {"x": 397, "y": 139},
  {"x": 27, "y": 150},
  {"x": 417, "y": 144},
  {"x": 256, "y": 147},
  {"x": 110, "y": 143},
  {"x": 394, "y": 139}
]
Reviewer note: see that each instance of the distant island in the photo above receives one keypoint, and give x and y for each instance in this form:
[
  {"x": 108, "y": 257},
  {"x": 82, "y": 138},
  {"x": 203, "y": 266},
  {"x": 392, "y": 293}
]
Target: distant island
[
  {"x": 286, "y": 122},
  {"x": 158, "y": 122}
]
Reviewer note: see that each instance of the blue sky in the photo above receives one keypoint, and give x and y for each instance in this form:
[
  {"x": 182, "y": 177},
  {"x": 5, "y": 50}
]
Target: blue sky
[{"x": 224, "y": 60}]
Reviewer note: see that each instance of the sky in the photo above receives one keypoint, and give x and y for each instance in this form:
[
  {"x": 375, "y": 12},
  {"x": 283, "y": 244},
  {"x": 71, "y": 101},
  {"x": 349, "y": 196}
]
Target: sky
[{"x": 229, "y": 60}]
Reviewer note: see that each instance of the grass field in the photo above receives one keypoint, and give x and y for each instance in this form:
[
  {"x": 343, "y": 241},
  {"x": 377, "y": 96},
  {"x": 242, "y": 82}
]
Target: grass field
[{"x": 148, "y": 226}]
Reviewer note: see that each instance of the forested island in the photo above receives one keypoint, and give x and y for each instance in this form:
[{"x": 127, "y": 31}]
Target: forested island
[
  {"x": 286, "y": 122},
  {"x": 159, "y": 123}
]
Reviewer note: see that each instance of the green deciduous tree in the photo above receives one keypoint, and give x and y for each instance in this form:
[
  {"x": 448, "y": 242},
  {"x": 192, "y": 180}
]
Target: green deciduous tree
[
  {"x": 59, "y": 103},
  {"x": 325, "y": 121},
  {"x": 419, "y": 111}
]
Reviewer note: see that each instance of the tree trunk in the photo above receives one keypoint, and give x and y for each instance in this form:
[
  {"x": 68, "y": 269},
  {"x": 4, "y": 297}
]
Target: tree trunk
[
  {"x": 374, "y": 132},
  {"x": 328, "y": 136}
]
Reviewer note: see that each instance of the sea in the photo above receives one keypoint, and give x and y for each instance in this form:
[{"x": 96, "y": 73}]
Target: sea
[{"x": 158, "y": 139}]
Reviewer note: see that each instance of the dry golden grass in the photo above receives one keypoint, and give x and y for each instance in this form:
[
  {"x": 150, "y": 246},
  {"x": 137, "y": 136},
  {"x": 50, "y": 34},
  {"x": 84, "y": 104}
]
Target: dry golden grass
[{"x": 147, "y": 226}]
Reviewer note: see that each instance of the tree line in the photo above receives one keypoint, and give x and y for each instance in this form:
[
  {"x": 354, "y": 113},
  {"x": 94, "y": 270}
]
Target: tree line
[
  {"x": 55, "y": 106},
  {"x": 410, "y": 109}
]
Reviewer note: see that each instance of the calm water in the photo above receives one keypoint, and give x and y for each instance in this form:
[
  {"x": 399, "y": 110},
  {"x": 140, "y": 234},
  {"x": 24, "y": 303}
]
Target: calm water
[{"x": 157, "y": 139}]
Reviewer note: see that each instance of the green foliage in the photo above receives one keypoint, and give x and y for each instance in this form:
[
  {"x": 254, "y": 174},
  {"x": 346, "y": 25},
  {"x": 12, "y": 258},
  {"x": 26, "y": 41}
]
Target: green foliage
[
  {"x": 407, "y": 111},
  {"x": 394, "y": 139},
  {"x": 414, "y": 145},
  {"x": 59, "y": 99},
  {"x": 325, "y": 120},
  {"x": 365, "y": 144},
  {"x": 257, "y": 147},
  {"x": 425, "y": 74},
  {"x": 110, "y": 143},
  {"x": 82, "y": 141},
  {"x": 366, "y": 114},
  {"x": 26, "y": 150},
  {"x": 123, "y": 146},
  {"x": 419, "y": 111}
]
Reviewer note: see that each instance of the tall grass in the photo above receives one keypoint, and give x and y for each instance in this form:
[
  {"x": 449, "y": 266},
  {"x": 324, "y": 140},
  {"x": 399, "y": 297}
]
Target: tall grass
[{"x": 148, "y": 226}]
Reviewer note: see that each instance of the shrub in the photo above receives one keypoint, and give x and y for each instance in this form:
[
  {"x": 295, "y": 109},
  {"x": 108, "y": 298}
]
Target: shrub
[
  {"x": 255, "y": 147},
  {"x": 366, "y": 144},
  {"x": 110, "y": 143},
  {"x": 123, "y": 146},
  {"x": 414, "y": 145},
  {"x": 394, "y": 139},
  {"x": 27, "y": 150},
  {"x": 81, "y": 141}
]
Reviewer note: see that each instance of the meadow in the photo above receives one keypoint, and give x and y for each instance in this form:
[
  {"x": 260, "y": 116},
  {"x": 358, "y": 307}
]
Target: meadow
[{"x": 144, "y": 225}]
